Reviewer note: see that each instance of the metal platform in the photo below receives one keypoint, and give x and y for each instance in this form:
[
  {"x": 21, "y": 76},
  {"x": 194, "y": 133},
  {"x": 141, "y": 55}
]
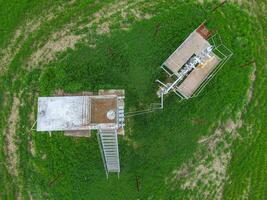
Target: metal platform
[
  {"x": 108, "y": 143},
  {"x": 77, "y": 115}
]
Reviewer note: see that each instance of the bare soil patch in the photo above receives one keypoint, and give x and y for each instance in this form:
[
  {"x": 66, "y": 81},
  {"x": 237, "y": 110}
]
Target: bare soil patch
[
  {"x": 48, "y": 52},
  {"x": 11, "y": 139},
  {"x": 21, "y": 35},
  {"x": 100, "y": 108},
  {"x": 206, "y": 173},
  {"x": 99, "y": 23}
]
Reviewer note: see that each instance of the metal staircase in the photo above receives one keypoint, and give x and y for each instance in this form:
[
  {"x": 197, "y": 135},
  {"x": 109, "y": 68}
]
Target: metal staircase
[{"x": 108, "y": 143}]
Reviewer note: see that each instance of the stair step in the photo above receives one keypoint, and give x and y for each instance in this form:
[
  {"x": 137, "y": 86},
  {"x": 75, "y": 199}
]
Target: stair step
[
  {"x": 110, "y": 149},
  {"x": 111, "y": 158},
  {"x": 109, "y": 146},
  {"x": 113, "y": 165},
  {"x": 112, "y": 162},
  {"x": 109, "y": 139},
  {"x": 109, "y": 142},
  {"x": 111, "y": 154}
]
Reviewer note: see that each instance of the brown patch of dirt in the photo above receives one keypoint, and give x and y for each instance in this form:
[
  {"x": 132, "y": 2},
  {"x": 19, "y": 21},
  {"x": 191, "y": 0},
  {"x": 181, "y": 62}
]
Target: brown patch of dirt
[
  {"x": 15, "y": 44},
  {"x": 139, "y": 15},
  {"x": 247, "y": 191},
  {"x": 59, "y": 92},
  {"x": 239, "y": 2},
  {"x": 30, "y": 195},
  {"x": 52, "y": 47},
  {"x": 21, "y": 35},
  {"x": 197, "y": 121},
  {"x": 32, "y": 117},
  {"x": 43, "y": 157},
  {"x": 26, "y": 29},
  {"x": 10, "y": 146},
  {"x": 103, "y": 29},
  {"x": 99, "y": 109},
  {"x": 252, "y": 80},
  {"x": 99, "y": 23},
  {"x": 79, "y": 133},
  {"x": 32, "y": 148},
  {"x": 11, "y": 139},
  {"x": 131, "y": 142},
  {"x": 209, "y": 172},
  {"x": 200, "y": 1},
  {"x": 206, "y": 172}
]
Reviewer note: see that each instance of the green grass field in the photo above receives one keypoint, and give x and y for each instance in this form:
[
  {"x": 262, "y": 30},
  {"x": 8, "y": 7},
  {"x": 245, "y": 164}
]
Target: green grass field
[{"x": 213, "y": 146}]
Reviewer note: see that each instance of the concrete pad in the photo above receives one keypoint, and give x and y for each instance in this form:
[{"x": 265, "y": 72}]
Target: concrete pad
[
  {"x": 78, "y": 113},
  {"x": 63, "y": 113},
  {"x": 194, "y": 44},
  {"x": 197, "y": 77},
  {"x": 100, "y": 107}
]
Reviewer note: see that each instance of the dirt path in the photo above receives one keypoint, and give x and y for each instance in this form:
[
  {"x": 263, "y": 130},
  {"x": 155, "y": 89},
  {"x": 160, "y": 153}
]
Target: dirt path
[
  {"x": 206, "y": 173},
  {"x": 98, "y": 24},
  {"x": 22, "y": 33},
  {"x": 11, "y": 139},
  {"x": 10, "y": 145}
]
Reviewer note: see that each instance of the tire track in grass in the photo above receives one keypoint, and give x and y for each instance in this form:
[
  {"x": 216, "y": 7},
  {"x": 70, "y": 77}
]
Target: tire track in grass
[
  {"x": 101, "y": 21},
  {"x": 7, "y": 55},
  {"x": 10, "y": 145},
  {"x": 62, "y": 40},
  {"x": 22, "y": 33},
  {"x": 206, "y": 173},
  {"x": 98, "y": 24}
]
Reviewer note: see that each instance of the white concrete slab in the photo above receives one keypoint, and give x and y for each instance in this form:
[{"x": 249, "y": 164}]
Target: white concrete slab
[{"x": 63, "y": 113}]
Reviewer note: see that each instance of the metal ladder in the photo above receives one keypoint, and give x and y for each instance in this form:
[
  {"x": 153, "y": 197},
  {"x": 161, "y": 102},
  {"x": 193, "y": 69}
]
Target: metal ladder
[{"x": 108, "y": 143}]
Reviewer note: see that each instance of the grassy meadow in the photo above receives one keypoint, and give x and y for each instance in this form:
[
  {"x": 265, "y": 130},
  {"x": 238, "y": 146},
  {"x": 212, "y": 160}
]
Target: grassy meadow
[{"x": 77, "y": 46}]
